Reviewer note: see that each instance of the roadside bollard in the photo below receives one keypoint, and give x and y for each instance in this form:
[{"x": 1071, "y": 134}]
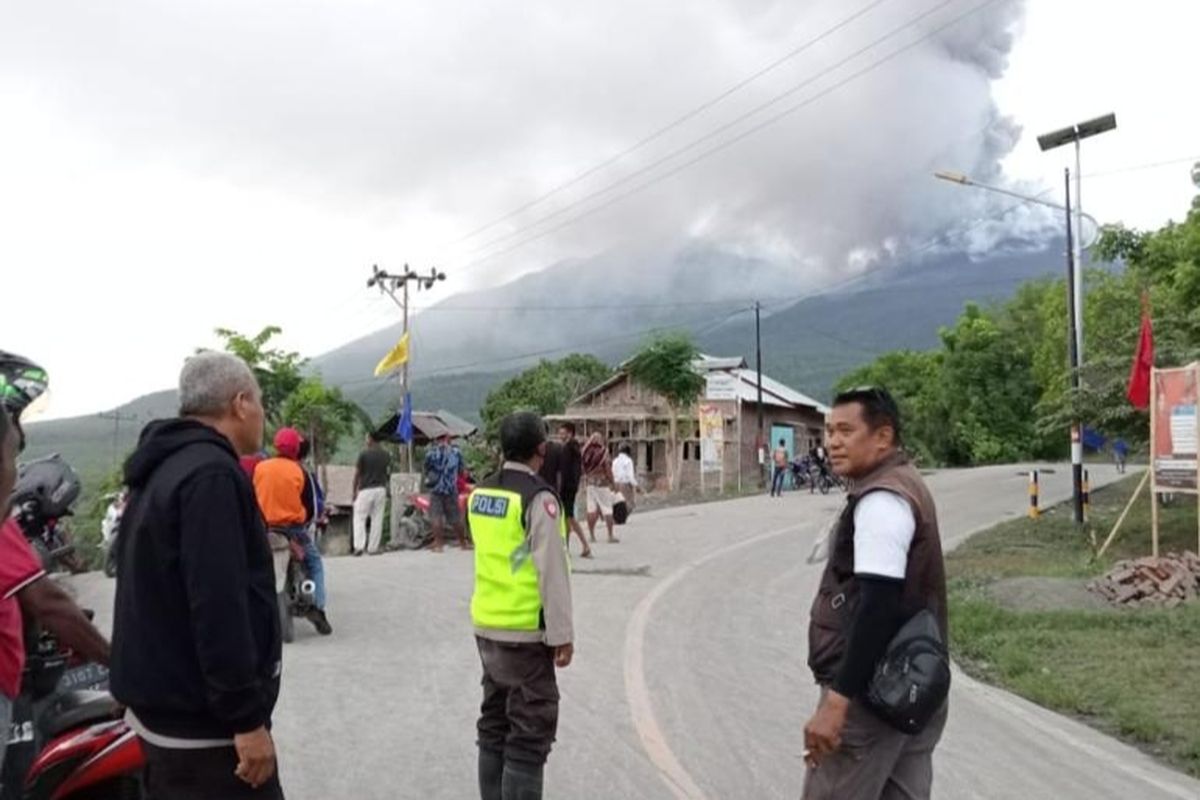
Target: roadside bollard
[
  {"x": 1087, "y": 495},
  {"x": 1034, "y": 511}
]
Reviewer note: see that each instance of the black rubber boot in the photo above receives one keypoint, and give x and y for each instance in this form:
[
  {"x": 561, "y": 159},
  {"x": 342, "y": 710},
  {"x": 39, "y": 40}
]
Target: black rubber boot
[
  {"x": 491, "y": 772},
  {"x": 522, "y": 781}
]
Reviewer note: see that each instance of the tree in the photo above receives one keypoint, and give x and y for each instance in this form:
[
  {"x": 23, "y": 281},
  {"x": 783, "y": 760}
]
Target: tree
[
  {"x": 290, "y": 397},
  {"x": 279, "y": 372},
  {"x": 546, "y": 388},
  {"x": 988, "y": 392},
  {"x": 666, "y": 366},
  {"x": 913, "y": 379},
  {"x": 322, "y": 414}
]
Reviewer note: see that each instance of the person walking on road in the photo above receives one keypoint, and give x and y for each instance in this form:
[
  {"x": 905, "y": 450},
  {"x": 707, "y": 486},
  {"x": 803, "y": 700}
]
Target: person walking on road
[
  {"x": 521, "y": 609},
  {"x": 554, "y": 471},
  {"x": 371, "y": 476},
  {"x": 196, "y": 652},
  {"x": 885, "y": 565},
  {"x": 1120, "y": 453},
  {"x": 443, "y": 464},
  {"x": 572, "y": 478},
  {"x": 625, "y": 476},
  {"x": 287, "y": 496},
  {"x": 598, "y": 476},
  {"x": 780, "y": 467}
]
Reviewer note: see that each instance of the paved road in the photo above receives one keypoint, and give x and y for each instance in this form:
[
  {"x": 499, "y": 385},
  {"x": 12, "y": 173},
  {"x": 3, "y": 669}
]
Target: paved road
[{"x": 688, "y": 683}]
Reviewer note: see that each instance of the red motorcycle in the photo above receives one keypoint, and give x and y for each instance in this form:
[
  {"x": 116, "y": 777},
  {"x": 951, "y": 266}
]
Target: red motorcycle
[
  {"x": 69, "y": 740},
  {"x": 415, "y": 530}
]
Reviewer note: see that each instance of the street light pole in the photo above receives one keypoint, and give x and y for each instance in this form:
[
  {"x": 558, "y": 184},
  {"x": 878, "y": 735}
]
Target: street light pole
[
  {"x": 1076, "y": 134},
  {"x": 1074, "y": 312},
  {"x": 1073, "y": 360}
]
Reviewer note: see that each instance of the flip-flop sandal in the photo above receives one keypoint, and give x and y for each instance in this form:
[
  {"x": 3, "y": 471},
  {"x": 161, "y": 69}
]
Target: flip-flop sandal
[{"x": 588, "y": 554}]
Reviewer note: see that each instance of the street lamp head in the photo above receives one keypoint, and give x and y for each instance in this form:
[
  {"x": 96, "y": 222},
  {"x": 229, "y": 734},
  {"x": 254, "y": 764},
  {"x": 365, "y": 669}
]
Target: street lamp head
[
  {"x": 952, "y": 176},
  {"x": 1074, "y": 133}
]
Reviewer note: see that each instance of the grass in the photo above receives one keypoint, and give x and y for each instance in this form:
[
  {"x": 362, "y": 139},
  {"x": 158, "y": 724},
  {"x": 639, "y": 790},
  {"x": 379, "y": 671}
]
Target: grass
[{"x": 1131, "y": 673}]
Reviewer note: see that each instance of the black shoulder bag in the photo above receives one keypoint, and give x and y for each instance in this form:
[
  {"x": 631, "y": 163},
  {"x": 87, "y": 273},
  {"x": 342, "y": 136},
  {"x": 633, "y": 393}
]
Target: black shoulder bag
[{"x": 912, "y": 679}]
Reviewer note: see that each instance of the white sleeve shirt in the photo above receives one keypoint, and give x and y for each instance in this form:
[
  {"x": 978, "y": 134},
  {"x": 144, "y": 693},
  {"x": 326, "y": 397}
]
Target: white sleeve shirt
[
  {"x": 884, "y": 527},
  {"x": 623, "y": 470}
]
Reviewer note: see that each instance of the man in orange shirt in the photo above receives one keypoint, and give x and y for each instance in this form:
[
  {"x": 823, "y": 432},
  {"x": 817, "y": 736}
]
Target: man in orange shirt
[{"x": 287, "y": 498}]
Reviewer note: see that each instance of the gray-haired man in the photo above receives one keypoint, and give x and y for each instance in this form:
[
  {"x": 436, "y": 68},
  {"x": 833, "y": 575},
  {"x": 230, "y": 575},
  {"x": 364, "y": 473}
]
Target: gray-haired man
[{"x": 196, "y": 640}]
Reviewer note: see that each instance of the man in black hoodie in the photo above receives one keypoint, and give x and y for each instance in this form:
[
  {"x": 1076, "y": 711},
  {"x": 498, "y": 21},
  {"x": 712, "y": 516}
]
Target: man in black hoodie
[{"x": 196, "y": 639}]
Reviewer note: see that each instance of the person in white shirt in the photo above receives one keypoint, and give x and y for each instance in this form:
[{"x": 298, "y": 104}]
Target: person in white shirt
[{"x": 625, "y": 476}]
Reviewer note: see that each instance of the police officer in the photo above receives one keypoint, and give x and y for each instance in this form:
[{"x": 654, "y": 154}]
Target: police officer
[{"x": 521, "y": 610}]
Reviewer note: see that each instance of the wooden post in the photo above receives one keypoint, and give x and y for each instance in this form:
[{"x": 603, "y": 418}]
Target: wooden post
[
  {"x": 1128, "y": 506},
  {"x": 1153, "y": 444},
  {"x": 1034, "y": 510}
]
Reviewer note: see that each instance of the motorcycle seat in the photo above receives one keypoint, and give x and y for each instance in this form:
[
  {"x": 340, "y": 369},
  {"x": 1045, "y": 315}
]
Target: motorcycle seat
[{"x": 76, "y": 709}]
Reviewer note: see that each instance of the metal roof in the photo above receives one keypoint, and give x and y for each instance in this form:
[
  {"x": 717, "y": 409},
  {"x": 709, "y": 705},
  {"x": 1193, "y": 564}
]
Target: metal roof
[{"x": 774, "y": 392}]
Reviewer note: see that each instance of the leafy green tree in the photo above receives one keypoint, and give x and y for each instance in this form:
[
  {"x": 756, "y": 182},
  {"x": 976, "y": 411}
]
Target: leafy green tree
[
  {"x": 546, "y": 388},
  {"x": 666, "y": 366},
  {"x": 323, "y": 415},
  {"x": 279, "y": 372},
  {"x": 988, "y": 392},
  {"x": 912, "y": 378}
]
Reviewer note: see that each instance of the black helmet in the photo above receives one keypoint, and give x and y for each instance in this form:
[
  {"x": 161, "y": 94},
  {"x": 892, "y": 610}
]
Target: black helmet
[
  {"x": 21, "y": 382},
  {"x": 49, "y": 485}
]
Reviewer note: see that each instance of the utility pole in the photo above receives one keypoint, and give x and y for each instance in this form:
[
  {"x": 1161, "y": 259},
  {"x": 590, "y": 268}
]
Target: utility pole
[
  {"x": 1073, "y": 340},
  {"x": 117, "y": 418},
  {"x": 390, "y": 284},
  {"x": 760, "y": 441}
]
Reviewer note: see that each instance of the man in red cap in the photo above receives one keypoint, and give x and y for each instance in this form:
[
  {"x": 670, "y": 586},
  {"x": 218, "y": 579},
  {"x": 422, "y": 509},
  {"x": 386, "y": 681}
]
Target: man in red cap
[{"x": 288, "y": 500}]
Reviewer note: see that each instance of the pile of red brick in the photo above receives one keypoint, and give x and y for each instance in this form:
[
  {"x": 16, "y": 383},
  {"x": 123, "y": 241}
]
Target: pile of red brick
[{"x": 1167, "y": 581}]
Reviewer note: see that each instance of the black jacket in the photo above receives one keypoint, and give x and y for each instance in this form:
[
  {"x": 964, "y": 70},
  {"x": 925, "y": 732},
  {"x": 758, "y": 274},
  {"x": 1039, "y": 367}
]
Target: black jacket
[{"x": 196, "y": 642}]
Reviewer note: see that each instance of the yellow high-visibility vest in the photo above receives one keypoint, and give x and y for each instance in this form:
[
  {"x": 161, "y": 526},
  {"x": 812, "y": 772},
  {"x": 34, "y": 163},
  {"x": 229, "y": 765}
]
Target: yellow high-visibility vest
[{"x": 506, "y": 595}]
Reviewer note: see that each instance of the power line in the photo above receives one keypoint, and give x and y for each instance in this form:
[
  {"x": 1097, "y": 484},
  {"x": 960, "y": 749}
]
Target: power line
[
  {"x": 783, "y": 302},
  {"x": 552, "y": 351},
  {"x": 686, "y": 117},
  {"x": 589, "y": 307},
  {"x": 720, "y": 129},
  {"x": 728, "y": 143},
  {"x": 1140, "y": 167}
]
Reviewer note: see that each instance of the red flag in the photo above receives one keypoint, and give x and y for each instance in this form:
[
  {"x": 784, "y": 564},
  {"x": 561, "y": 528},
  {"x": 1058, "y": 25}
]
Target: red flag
[{"x": 1143, "y": 361}]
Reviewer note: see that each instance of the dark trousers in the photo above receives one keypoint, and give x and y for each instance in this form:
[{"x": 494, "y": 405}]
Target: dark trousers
[
  {"x": 777, "y": 480},
  {"x": 519, "y": 715},
  {"x": 200, "y": 775}
]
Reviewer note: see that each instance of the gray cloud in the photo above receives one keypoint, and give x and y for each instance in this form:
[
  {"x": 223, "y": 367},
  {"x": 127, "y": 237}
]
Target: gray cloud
[{"x": 457, "y": 112}]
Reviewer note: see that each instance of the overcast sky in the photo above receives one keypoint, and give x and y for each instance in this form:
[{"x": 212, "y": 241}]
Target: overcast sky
[{"x": 170, "y": 167}]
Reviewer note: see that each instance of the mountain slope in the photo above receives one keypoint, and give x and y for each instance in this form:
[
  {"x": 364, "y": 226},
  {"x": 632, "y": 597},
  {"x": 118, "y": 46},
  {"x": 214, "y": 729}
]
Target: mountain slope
[{"x": 461, "y": 352}]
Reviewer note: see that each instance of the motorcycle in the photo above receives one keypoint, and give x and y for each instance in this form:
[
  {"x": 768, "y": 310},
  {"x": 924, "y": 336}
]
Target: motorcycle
[
  {"x": 110, "y": 526},
  {"x": 44, "y": 493},
  {"x": 297, "y": 592},
  {"x": 68, "y": 739},
  {"x": 414, "y": 530}
]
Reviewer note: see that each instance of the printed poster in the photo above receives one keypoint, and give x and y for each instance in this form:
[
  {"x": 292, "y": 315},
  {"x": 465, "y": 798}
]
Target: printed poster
[
  {"x": 712, "y": 438},
  {"x": 1175, "y": 435}
]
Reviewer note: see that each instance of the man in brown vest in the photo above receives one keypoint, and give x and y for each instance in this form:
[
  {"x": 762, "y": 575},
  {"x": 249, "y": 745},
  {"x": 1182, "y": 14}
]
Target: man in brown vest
[{"x": 885, "y": 564}]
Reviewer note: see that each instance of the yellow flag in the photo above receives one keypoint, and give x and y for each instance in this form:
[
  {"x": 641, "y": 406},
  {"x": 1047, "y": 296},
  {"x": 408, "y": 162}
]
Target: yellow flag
[{"x": 395, "y": 357}]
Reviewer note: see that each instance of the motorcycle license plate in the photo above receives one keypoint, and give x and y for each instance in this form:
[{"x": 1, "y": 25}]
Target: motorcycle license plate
[{"x": 87, "y": 676}]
